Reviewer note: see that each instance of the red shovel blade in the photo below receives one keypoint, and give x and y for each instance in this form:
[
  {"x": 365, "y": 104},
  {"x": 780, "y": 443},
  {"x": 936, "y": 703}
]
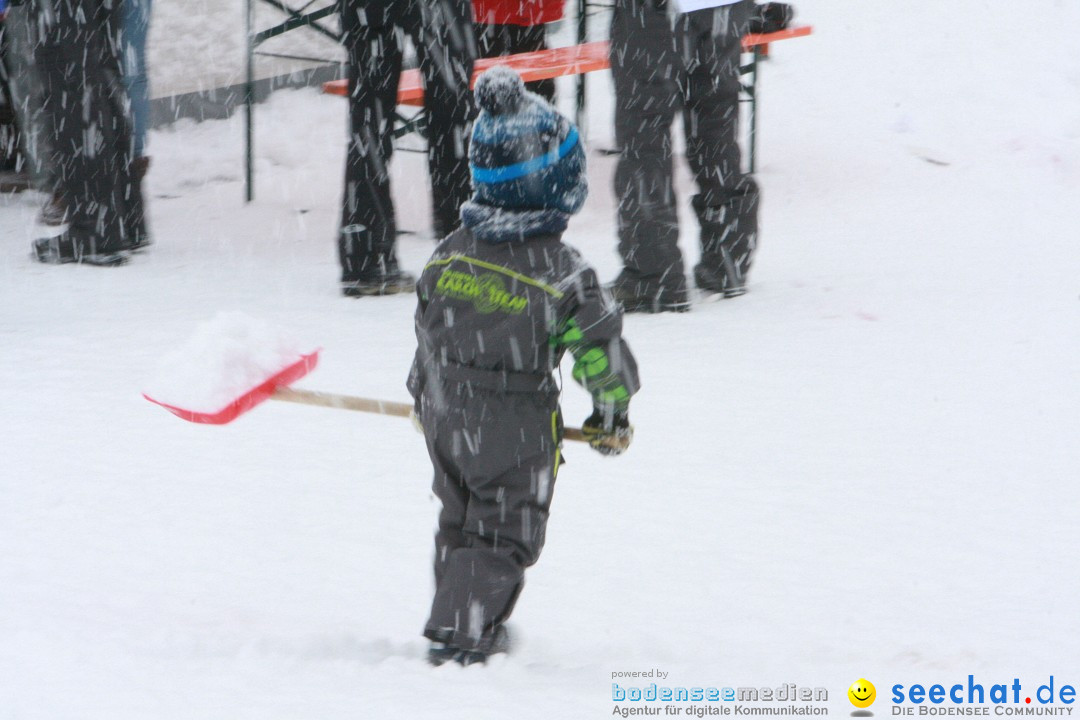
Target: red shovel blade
[{"x": 249, "y": 399}]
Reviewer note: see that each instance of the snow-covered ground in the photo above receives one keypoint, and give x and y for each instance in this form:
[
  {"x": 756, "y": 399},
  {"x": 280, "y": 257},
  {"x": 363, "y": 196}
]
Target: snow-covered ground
[{"x": 865, "y": 467}]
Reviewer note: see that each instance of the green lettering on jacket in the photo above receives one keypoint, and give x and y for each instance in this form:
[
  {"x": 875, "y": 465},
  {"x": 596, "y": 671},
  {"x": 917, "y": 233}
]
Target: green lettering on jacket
[{"x": 487, "y": 292}]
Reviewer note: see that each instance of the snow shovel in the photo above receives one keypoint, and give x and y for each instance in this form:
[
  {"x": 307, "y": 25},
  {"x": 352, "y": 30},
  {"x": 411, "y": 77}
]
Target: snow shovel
[{"x": 276, "y": 387}]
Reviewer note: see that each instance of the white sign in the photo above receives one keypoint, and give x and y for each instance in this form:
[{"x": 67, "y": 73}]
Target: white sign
[{"x": 685, "y": 6}]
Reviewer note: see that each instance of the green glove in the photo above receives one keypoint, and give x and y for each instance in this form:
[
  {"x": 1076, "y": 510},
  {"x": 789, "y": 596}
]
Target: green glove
[{"x": 608, "y": 434}]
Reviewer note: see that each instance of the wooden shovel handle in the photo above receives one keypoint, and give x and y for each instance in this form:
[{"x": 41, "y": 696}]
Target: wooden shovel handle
[
  {"x": 344, "y": 402},
  {"x": 369, "y": 405}
]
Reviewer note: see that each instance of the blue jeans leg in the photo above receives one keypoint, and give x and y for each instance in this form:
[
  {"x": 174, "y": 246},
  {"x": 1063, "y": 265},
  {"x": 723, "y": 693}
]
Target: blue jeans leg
[{"x": 136, "y": 27}]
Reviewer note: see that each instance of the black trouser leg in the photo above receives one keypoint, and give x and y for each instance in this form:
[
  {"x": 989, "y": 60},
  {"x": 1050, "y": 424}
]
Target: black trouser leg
[
  {"x": 645, "y": 70},
  {"x": 368, "y": 228},
  {"x": 20, "y": 31},
  {"x": 726, "y": 205},
  {"x": 90, "y": 123},
  {"x": 446, "y": 48},
  {"x": 10, "y": 138}
]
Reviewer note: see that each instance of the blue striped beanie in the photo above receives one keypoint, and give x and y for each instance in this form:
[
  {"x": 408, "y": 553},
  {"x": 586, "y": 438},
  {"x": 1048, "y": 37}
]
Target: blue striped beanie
[{"x": 524, "y": 154}]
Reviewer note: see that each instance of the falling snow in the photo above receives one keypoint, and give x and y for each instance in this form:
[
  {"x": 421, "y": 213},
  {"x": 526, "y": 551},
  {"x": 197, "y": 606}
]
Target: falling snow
[{"x": 863, "y": 468}]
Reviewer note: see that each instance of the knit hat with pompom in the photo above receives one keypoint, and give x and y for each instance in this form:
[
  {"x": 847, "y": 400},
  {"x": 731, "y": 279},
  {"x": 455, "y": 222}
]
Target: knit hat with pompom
[{"x": 524, "y": 154}]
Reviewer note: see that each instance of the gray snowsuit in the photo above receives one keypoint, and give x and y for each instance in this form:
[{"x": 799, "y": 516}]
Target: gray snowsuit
[{"x": 493, "y": 321}]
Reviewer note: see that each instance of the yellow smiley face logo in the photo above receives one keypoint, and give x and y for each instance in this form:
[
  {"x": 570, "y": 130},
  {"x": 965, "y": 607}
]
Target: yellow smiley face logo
[{"x": 862, "y": 693}]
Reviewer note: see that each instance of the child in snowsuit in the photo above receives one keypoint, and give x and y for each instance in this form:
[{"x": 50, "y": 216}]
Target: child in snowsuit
[{"x": 500, "y": 301}]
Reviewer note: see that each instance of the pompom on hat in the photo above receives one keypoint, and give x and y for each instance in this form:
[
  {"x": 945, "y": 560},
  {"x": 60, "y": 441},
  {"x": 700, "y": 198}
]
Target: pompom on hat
[{"x": 524, "y": 154}]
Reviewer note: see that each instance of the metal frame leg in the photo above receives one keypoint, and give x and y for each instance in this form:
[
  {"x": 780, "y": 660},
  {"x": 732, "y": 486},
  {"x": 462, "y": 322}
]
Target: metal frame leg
[
  {"x": 297, "y": 19},
  {"x": 751, "y": 90},
  {"x": 582, "y": 36},
  {"x": 249, "y": 106}
]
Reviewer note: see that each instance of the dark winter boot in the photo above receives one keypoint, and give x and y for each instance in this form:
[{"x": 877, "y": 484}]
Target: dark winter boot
[
  {"x": 142, "y": 242},
  {"x": 465, "y": 658},
  {"x": 498, "y": 644},
  {"x": 387, "y": 279},
  {"x": 54, "y": 212},
  {"x": 729, "y": 232},
  {"x": 62, "y": 249},
  {"x": 12, "y": 181},
  {"x": 771, "y": 17},
  {"x": 139, "y": 167},
  {"x": 717, "y": 280},
  {"x": 441, "y": 653},
  {"x": 650, "y": 295}
]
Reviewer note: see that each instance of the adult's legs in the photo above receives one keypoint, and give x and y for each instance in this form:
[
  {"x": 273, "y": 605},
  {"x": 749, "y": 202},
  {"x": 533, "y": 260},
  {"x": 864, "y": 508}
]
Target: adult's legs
[
  {"x": 726, "y": 205},
  {"x": 368, "y": 228},
  {"x": 445, "y": 44},
  {"x": 13, "y": 174},
  {"x": 91, "y": 128},
  {"x": 136, "y": 21},
  {"x": 646, "y": 72},
  {"x": 20, "y": 33}
]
